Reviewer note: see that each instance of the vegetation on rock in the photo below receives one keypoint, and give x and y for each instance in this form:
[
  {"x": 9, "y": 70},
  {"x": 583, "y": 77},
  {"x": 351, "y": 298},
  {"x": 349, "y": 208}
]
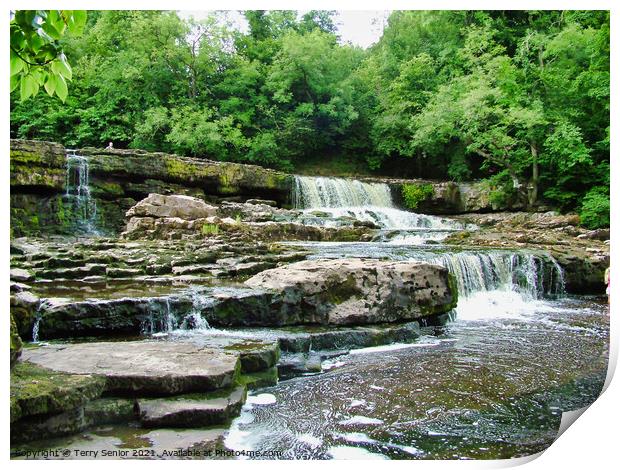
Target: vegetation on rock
[{"x": 414, "y": 194}]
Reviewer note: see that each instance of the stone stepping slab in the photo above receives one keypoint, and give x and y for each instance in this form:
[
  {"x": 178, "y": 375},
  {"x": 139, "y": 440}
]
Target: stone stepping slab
[
  {"x": 191, "y": 411},
  {"x": 143, "y": 368}
]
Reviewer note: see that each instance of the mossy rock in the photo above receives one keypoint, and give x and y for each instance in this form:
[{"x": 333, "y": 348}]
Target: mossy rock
[
  {"x": 16, "y": 343},
  {"x": 264, "y": 378},
  {"x": 39, "y": 391},
  {"x": 109, "y": 411}
]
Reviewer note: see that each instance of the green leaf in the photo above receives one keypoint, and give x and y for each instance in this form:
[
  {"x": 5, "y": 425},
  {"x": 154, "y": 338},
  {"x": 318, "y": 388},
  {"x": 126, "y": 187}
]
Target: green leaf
[
  {"x": 51, "y": 31},
  {"x": 61, "y": 88},
  {"x": 62, "y": 67},
  {"x": 28, "y": 87},
  {"x": 55, "y": 18},
  {"x": 17, "y": 64},
  {"x": 14, "y": 82},
  {"x": 79, "y": 21},
  {"x": 50, "y": 84}
]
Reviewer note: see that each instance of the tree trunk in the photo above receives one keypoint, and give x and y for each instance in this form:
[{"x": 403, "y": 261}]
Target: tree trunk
[{"x": 532, "y": 190}]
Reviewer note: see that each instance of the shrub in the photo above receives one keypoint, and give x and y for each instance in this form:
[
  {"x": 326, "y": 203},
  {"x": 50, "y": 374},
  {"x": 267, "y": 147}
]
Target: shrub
[
  {"x": 595, "y": 208},
  {"x": 413, "y": 194}
]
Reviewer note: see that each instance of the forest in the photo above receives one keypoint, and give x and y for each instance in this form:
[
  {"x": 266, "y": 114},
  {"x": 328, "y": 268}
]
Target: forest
[{"x": 517, "y": 98}]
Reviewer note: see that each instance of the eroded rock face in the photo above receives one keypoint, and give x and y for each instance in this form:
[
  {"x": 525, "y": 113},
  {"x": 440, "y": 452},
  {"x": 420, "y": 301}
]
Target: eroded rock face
[{"x": 356, "y": 291}]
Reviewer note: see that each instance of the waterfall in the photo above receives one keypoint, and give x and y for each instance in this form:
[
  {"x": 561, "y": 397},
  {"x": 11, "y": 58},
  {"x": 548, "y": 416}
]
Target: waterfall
[
  {"x": 170, "y": 321},
  {"x": 77, "y": 190},
  {"x": 318, "y": 192},
  {"x": 492, "y": 284},
  {"x": 531, "y": 275},
  {"x": 35, "y": 329},
  {"x": 346, "y": 199},
  {"x": 194, "y": 320},
  {"x": 161, "y": 319}
]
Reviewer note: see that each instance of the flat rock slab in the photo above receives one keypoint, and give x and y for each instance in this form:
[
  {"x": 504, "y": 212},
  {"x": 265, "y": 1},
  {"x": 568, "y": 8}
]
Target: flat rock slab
[
  {"x": 256, "y": 354},
  {"x": 143, "y": 367},
  {"x": 191, "y": 411}
]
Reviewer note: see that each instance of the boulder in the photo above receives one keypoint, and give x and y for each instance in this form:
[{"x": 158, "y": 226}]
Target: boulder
[
  {"x": 601, "y": 234},
  {"x": 103, "y": 317},
  {"x": 355, "y": 291},
  {"x": 24, "y": 307},
  {"x": 143, "y": 367},
  {"x": 183, "y": 207}
]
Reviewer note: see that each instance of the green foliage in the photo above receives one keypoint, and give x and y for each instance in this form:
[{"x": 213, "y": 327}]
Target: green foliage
[
  {"x": 210, "y": 229},
  {"x": 501, "y": 190},
  {"x": 414, "y": 194},
  {"x": 517, "y": 97},
  {"x": 595, "y": 208},
  {"x": 36, "y": 50}
]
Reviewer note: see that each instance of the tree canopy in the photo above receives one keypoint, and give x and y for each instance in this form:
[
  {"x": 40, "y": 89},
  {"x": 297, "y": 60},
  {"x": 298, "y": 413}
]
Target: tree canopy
[{"x": 520, "y": 98}]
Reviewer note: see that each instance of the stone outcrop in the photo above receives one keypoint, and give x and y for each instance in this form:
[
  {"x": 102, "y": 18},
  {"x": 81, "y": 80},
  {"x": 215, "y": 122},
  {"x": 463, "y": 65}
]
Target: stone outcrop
[
  {"x": 37, "y": 166},
  {"x": 193, "y": 411},
  {"x": 354, "y": 291},
  {"x": 118, "y": 178},
  {"x": 38, "y": 391},
  {"x": 213, "y": 177},
  {"x": 57, "y": 389},
  {"x": 451, "y": 198},
  {"x": 175, "y": 217}
]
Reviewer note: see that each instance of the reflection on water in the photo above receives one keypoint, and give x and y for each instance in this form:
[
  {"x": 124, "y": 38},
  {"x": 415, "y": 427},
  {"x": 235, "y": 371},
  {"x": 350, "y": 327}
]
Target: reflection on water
[{"x": 483, "y": 388}]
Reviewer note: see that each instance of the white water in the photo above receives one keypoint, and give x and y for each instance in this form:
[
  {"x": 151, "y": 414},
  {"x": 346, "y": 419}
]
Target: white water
[
  {"x": 502, "y": 285},
  {"x": 368, "y": 202},
  {"x": 77, "y": 189}
]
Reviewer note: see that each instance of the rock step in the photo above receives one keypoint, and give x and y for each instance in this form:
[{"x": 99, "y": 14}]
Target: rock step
[
  {"x": 301, "y": 340},
  {"x": 143, "y": 368},
  {"x": 191, "y": 411}
]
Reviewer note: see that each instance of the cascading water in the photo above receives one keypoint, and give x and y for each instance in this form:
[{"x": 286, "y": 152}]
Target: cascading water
[
  {"x": 497, "y": 284},
  {"x": 194, "y": 320},
  {"x": 77, "y": 191},
  {"x": 345, "y": 199}
]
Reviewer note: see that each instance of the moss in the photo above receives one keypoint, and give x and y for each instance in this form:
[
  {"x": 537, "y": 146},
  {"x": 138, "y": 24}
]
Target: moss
[
  {"x": 343, "y": 291},
  {"x": 36, "y": 391},
  {"x": 16, "y": 342},
  {"x": 256, "y": 380},
  {"x": 107, "y": 189},
  {"x": 177, "y": 168},
  {"x": 22, "y": 175},
  {"x": 414, "y": 194}
]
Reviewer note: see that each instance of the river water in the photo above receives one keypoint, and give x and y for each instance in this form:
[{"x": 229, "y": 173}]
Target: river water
[{"x": 492, "y": 383}]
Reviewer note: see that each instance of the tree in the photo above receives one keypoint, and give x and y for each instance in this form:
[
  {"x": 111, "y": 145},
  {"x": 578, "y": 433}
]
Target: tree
[{"x": 37, "y": 55}]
